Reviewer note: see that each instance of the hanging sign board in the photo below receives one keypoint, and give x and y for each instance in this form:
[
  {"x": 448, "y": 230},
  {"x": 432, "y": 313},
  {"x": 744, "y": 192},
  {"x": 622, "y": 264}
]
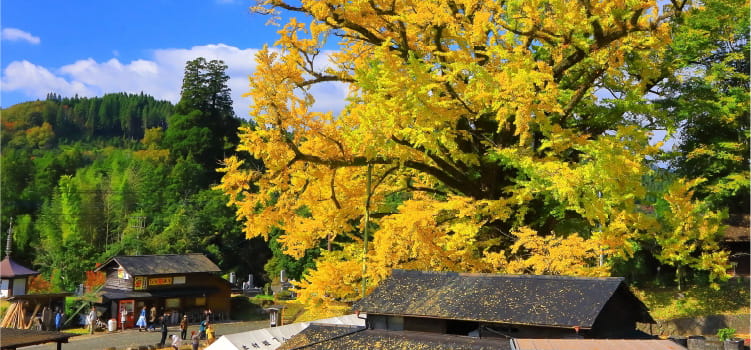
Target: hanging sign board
[
  {"x": 160, "y": 281},
  {"x": 139, "y": 283}
]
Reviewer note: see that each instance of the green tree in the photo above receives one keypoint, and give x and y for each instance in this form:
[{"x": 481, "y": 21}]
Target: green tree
[
  {"x": 709, "y": 103},
  {"x": 204, "y": 123}
]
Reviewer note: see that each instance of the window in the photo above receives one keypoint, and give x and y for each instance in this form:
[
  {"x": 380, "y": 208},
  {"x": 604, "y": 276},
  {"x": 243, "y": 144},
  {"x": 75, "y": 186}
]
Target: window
[
  {"x": 200, "y": 301},
  {"x": 172, "y": 303},
  {"x": 395, "y": 323}
]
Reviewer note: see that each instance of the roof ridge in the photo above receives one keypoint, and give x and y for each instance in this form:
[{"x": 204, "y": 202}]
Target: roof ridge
[
  {"x": 143, "y": 255},
  {"x": 523, "y": 276}
]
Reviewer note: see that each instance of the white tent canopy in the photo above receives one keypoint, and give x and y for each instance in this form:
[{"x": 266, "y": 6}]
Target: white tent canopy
[{"x": 272, "y": 338}]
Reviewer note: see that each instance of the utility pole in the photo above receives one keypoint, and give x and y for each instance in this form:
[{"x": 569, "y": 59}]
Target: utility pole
[
  {"x": 365, "y": 231},
  {"x": 138, "y": 223}
]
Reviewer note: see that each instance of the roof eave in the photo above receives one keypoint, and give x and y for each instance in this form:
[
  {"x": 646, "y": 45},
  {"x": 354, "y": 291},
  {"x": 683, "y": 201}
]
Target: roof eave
[{"x": 479, "y": 320}]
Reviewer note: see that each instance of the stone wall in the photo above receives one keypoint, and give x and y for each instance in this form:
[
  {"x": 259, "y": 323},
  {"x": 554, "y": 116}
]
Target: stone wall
[{"x": 705, "y": 325}]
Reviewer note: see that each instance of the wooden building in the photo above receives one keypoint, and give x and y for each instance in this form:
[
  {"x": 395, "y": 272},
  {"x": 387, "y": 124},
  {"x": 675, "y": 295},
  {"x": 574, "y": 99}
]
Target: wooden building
[
  {"x": 14, "y": 278},
  {"x": 170, "y": 283},
  {"x": 737, "y": 241},
  {"x": 447, "y": 310},
  {"x": 24, "y": 309},
  {"x": 494, "y": 305}
]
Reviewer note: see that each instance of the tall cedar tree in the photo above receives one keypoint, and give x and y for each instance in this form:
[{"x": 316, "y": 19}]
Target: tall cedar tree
[{"x": 204, "y": 125}]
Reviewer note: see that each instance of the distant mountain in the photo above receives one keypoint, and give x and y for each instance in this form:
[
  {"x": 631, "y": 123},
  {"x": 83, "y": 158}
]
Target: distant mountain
[
  {"x": 84, "y": 179},
  {"x": 57, "y": 119}
]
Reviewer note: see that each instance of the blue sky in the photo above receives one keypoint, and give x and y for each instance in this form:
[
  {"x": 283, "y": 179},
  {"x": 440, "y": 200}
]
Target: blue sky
[{"x": 92, "y": 47}]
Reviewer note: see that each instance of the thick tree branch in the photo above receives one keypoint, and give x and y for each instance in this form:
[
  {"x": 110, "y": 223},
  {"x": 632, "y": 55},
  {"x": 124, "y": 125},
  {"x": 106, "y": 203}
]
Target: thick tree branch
[
  {"x": 583, "y": 88},
  {"x": 440, "y": 162},
  {"x": 325, "y": 78},
  {"x": 333, "y": 191}
]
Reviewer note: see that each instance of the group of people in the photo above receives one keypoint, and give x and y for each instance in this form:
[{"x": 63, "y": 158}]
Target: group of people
[
  {"x": 148, "y": 321},
  {"x": 150, "y": 325},
  {"x": 205, "y": 329},
  {"x": 195, "y": 339}
]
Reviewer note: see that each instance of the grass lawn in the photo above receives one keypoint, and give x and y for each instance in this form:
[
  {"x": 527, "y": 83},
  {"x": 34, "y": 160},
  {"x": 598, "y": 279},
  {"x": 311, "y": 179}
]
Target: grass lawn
[
  {"x": 670, "y": 303},
  {"x": 246, "y": 309}
]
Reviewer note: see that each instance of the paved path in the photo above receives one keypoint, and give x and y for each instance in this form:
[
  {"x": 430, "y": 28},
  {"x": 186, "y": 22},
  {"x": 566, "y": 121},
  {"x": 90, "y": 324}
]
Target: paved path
[{"x": 132, "y": 337}]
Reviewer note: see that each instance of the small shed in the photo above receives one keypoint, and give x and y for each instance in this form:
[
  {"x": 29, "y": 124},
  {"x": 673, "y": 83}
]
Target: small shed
[
  {"x": 736, "y": 240},
  {"x": 12, "y": 338},
  {"x": 14, "y": 277}
]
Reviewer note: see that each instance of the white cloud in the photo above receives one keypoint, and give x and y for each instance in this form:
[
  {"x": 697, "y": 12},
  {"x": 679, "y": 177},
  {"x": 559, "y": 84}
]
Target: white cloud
[
  {"x": 36, "y": 81},
  {"x": 159, "y": 76},
  {"x": 14, "y": 34}
]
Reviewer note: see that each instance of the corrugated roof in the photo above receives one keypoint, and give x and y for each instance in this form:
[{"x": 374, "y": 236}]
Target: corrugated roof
[
  {"x": 11, "y": 269},
  {"x": 555, "y": 301},
  {"x": 165, "y": 264},
  {"x": 271, "y": 338},
  {"x": 594, "y": 344},
  {"x": 315, "y": 334},
  {"x": 383, "y": 339}
]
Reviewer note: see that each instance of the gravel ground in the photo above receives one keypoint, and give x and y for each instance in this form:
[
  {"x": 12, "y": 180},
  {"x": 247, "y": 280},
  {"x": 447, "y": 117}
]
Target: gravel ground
[{"x": 132, "y": 337}]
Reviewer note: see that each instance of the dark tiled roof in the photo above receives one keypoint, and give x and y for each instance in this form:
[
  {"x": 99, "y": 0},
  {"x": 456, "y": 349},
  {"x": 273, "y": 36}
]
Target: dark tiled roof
[
  {"x": 12, "y": 269},
  {"x": 149, "y": 265},
  {"x": 554, "y": 301},
  {"x": 11, "y": 338},
  {"x": 318, "y": 337}
]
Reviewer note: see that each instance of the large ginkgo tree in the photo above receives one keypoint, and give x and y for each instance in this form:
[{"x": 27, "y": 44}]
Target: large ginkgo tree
[{"x": 477, "y": 136}]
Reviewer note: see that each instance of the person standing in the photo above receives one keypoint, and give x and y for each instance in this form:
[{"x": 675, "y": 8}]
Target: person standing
[
  {"x": 92, "y": 320},
  {"x": 152, "y": 318},
  {"x": 163, "y": 323},
  {"x": 194, "y": 340},
  {"x": 58, "y": 320},
  {"x": 176, "y": 342},
  {"x": 37, "y": 322},
  {"x": 123, "y": 318},
  {"x": 202, "y": 330},
  {"x": 184, "y": 327},
  {"x": 210, "y": 336},
  {"x": 141, "y": 323}
]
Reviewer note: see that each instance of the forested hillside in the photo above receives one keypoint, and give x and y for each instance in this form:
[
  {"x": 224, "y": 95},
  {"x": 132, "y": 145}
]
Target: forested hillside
[{"x": 88, "y": 178}]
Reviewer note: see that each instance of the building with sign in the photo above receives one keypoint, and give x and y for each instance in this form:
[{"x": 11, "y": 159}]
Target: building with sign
[{"x": 175, "y": 284}]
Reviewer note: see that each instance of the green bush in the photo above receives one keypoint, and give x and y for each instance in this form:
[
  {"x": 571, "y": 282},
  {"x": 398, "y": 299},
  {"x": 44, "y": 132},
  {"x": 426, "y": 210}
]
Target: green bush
[
  {"x": 726, "y": 334},
  {"x": 244, "y": 309},
  {"x": 284, "y": 295}
]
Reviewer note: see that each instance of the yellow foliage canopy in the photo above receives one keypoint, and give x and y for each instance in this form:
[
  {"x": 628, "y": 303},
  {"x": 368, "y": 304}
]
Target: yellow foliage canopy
[{"x": 476, "y": 119}]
